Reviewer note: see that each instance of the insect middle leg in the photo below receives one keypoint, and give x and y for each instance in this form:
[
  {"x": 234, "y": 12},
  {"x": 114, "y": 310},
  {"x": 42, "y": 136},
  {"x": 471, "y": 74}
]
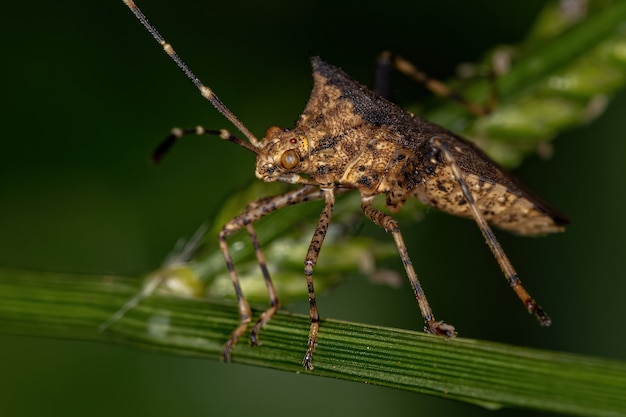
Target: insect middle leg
[
  {"x": 503, "y": 260},
  {"x": 254, "y": 212},
  {"x": 391, "y": 225}
]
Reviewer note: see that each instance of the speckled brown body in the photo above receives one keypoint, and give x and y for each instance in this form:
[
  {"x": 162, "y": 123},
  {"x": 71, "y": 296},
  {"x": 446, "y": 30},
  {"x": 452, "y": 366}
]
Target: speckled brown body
[{"x": 350, "y": 137}]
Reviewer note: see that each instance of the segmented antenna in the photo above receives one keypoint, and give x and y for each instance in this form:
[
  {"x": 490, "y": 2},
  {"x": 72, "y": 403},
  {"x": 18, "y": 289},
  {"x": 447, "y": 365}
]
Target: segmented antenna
[{"x": 204, "y": 90}]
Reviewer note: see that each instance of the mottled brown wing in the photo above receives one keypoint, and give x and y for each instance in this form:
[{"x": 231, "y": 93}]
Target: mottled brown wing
[{"x": 502, "y": 199}]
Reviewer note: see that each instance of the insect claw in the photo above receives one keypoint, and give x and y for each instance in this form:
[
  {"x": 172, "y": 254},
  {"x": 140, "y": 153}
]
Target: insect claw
[
  {"x": 234, "y": 337},
  {"x": 537, "y": 311},
  {"x": 254, "y": 336},
  {"x": 545, "y": 321},
  {"x": 226, "y": 352},
  {"x": 307, "y": 362},
  {"x": 440, "y": 328}
]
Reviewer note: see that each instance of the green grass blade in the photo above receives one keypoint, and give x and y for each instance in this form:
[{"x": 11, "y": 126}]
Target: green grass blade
[{"x": 489, "y": 374}]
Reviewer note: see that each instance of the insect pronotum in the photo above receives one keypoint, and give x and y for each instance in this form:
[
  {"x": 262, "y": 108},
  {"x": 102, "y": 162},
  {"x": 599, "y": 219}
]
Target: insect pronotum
[{"x": 349, "y": 138}]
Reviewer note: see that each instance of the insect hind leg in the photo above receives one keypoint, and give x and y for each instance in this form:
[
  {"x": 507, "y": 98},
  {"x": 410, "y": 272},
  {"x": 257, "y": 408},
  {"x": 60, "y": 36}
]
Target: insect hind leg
[
  {"x": 503, "y": 260},
  {"x": 391, "y": 225}
]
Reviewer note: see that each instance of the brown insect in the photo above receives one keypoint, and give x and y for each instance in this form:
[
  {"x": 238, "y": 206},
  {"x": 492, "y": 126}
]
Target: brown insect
[{"x": 350, "y": 138}]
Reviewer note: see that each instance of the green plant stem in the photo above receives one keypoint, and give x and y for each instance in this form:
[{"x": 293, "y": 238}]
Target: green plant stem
[{"x": 493, "y": 375}]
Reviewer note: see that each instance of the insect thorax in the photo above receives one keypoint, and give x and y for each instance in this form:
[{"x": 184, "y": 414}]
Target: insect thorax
[{"x": 360, "y": 157}]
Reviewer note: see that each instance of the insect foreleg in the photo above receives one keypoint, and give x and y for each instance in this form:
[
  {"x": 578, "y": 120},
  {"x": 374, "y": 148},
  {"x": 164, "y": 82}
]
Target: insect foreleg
[
  {"x": 309, "y": 264},
  {"x": 271, "y": 290},
  {"x": 253, "y": 213}
]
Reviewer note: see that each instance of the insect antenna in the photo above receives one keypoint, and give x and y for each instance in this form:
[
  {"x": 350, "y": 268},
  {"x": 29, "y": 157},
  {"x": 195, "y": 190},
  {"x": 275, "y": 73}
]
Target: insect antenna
[
  {"x": 204, "y": 90},
  {"x": 178, "y": 133}
]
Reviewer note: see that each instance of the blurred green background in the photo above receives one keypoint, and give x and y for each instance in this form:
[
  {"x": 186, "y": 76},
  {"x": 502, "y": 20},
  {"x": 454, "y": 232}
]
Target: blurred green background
[{"x": 87, "y": 95}]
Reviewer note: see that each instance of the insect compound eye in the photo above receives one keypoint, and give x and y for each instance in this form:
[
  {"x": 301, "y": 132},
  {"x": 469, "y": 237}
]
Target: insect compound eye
[{"x": 289, "y": 159}]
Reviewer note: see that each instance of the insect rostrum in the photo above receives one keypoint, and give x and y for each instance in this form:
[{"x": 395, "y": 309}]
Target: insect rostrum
[{"x": 349, "y": 138}]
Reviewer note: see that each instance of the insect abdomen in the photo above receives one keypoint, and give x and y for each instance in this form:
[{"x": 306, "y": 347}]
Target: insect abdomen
[{"x": 501, "y": 206}]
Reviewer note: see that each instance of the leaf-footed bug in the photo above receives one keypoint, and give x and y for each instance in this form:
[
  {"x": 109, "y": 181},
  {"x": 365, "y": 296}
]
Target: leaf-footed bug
[{"x": 349, "y": 138}]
